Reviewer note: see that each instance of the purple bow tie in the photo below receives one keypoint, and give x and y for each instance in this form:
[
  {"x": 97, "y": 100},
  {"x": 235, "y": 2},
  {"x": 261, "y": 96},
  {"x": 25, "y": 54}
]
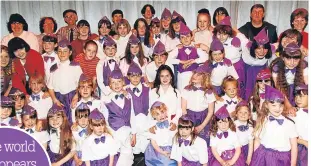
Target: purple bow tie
[
  {"x": 194, "y": 88},
  {"x": 102, "y": 39},
  {"x": 54, "y": 131},
  {"x": 101, "y": 139},
  {"x": 293, "y": 71},
  {"x": 136, "y": 90},
  {"x": 225, "y": 134},
  {"x": 35, "y": 97},
  {"x": 163, "y": 124},
  {"x": 230, "y": 102},
  {"x": 218, "y": 63},
  {"x": 158, "y": 36},
  {"x": 111, "y": 60},
  {"x": 262, "y": 95},
  {"x": 89, "y": 103},
  {"x": 46, "y": 58},
  {"x": 305, "y": 110},
  {"x": 186, "y": 142},
  {"x": 243, "y": 128},
  {"x": 280, "y": 121},
  {"x": 30, "y": 131},
  {"x": 83, "y": 131},
  {"x": 121, "y": 96}
]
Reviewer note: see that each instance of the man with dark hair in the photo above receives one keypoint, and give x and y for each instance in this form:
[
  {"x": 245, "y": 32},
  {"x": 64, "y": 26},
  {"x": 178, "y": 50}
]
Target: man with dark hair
[
  {"x": 116, "y": 16},
  {"x": 252, "y": 28},
  {"x": 69, "y": 32},
  {"x": 148, "y": 12}
]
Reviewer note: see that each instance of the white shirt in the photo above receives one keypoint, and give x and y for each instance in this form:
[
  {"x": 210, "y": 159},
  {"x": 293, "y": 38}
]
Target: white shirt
[
  {"x": 95, "y": 104},
  {"x": 48, "y": 64},
  {"x": 196, "y": 100},
  {"x": 196, "y": 152},
  {"x": 277, "y": 137},
  {"x": 244, "y": 136},
  {"x": 232, "y": 53},
  {"x": 204, "y": 37},
  {"x": 92, "y": 151},
  {"x": 172, "y": 56},
  {"x": 42, "y": 106},
  {"x": 125, "y": 67},
  {"x": 301, "y": 123},
  {"x": 163, "y": 137},
  {"x": 151, "y": 70},
  {"x": 121, "y": 45},
  {"x": 42, "y": 137},
  {"x": 163, "y": 37},
  {"x": 223, "y": 144},
  {"x": 65, "y": 78},
  {"x": 29, "y": 37},
  {"x": 19, "y": 115},
  {"x": 220, "y": 72},
  {"x": 248, "y": 59},
  {"x": 227, "y": 100},
  {"x": 170, "y": 44},
  {"x": 79, "y": 140},
  {"x": 55, "y": 142}
]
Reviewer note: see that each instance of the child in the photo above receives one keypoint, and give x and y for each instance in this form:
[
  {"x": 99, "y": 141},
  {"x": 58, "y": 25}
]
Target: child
[
  {"x": 104, "y": 28},
  {"x": 159, "y": 149},
  {"x": 143, "y": 34},
  {"x": 173, "y": 36},
  {"x": 7, "y": 107},
  {"x": 225, "y": 145},
  {"x": 124, "y": 32},
  {"x": 99, "y": 148},
  {"x": 19, "y": 101},
  {"x": 230, "y": 86},
  {"x": 121, "y": 118},
  {"x": 49, "y": 55},
  {"x": 64, "y": 78},
  {"x": 198, "y": 102},
  {"x": 244, "y": 129},
  {"x": 263, "y": 78},
  {"x": 37, "y": 84},
  {"x": 6, "y": 71},
  {"x": 301, "y": 123},
  {"x": 79, "y": 132},
  {"x": 155, "y": 28},
  {"x": 188, "y": 148},
  {"x": 188, "y": 57},
  {"x": 275, "y": 134},
  {"x": 165, "y": 21},
  {"x": 107, "y": 65},
  {"x": 203, "y": 35},
  {"x": 29, "y": 124},
  {"x": 220, "y": 66},
  {"x": 61, "y": 147}
]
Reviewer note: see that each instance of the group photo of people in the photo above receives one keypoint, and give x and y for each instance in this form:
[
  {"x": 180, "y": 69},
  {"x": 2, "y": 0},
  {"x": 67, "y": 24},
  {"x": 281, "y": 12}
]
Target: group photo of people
[{"x": 159, "y": 91}]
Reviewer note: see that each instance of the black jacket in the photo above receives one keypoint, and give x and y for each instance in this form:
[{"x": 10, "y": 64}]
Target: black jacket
[{"x": 271, "y": 31}]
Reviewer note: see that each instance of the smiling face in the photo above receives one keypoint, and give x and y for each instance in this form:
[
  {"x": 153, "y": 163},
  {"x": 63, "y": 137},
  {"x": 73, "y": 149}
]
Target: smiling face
[
  {"x": 122, "y": 30},
  {"x": 160, "y": 115},
  {"x": 84, "y": 30},
  {"x": 203, "y": 22},
  {"x": 116, "y": 18},
  {"x": 19, "y": 102},
  {"x": 155, "y": 29},
  {"x": 49, "y": 47},
  {"x": 220, "y": 16},
  {"x": 116, "y": 85},
  {"x": 243, "y": 114},
  {"x": 291, "y": 62},
  {"x": 36, "y": 86},
  {"x": 71, "y": 18},
  {"x": 218, "y": 56},
  {"x": 231, "y": 89},
  {"x": 104, "y": 30},
  {"x": 176, "y": 26},
  {"x": 56, "y": 120},
  {"x": 185, "y": 39},
  {"x": 63, "y": 53},
  {"x": 301, "y": 100},
  {"x": 110, "y": 51},
  {"x": 148, "y": 13},
  {"x": 28, "y": 122},
  {"x": 261, "y": 52},
  {"x": 17, "y": 28},
  {"x": 275, "y": 108},
  {"x": 165, "y": 22},
  {"x": 222, "y": 36},
  {"x": 85, "y": 90},
  {"x": 299, "y": 23},
  {"x": 5, "y": 58},
  {"x": 135, "y": 79},
  {"x": 21, "y": 53},
  {"x": 134, "y": 49},
  {"x": 48, "y": 26},
  {"x": 159, "y": 60},
  {"x": 5, "y": 112},
  {"x": 185, "y": 132},
  {"x": 223, "y": 125},
  {"x": 165, "y": 77},
  {"x": 90, "y": 51}
]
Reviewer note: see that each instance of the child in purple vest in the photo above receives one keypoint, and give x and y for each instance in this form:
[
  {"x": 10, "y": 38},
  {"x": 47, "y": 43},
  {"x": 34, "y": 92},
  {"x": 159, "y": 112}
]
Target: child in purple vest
[{"x": 121, "y": 117}]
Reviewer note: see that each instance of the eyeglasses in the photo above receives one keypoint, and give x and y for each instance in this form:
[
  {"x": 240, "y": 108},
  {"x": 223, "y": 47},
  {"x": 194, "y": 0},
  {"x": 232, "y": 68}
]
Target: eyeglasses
[{"x": 264, "y": 81}]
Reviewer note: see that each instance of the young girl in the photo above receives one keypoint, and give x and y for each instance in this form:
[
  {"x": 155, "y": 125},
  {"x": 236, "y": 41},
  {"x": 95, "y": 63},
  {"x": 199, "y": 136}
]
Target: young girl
[
  {"x": 104, "y": 28},
  {"x": 219, "y": 14},
  {"x": 7, "y": 107},
  {"x": 188, "y": 148},
  {"x": 203, "y": 34},
  {"x": 29, "y": 124},
  {"x": 143, "y": 33},
  {"x": 64, "y": 78},
  {"x": 124, "y": 31},
  {"x": 258, "y": 97},
  {"x": 198, "y": 102},
  {"x": 219, "y": 66},
  {"x": 275, "y": 135},
  {"x": 19, "y": 101},
  {"x": 225, "y": 145},
  {"x": 159, "y": 149},
  {"x": 230, "y": 86},
  {"x": 155, "y": 28},
  {"x": 301, "y": 123},
  {"x": 61, "y": 147},
  {"x": 244, "y": 129},
  {"x": 188, "y": 57},
  {"x": 99, "y": 148},
  {"x": 6, "y": 71},
  {"x": 173, "y": 36},
  {"x": 165, "y": 21}
]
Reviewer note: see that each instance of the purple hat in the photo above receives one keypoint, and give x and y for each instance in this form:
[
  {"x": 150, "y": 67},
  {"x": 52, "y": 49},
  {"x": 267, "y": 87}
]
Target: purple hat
[
  {"x": 184, "y": 30},
  {"x": 109, "y": 42},
  {"x": 226, "y": 21},
  {"x": 83, "y": 78},
  {"x": 15, "y": 92},
  {"x": 186, "y": 117},
  {"x": 222, "y": 112},
  {"x": 155, "y": 20},
  {"x": 201, "y": 69},
  {"x": 301, "y": 87},
  {"x": 166, "y": 14},
  {"x": 83, "y": 106},
  {"x": 133, "y": 40},
  {"x": 96, "y": 115},
  {"x": 216, "y": 45},
  {"x": 134, "y": 69},
  {"x": 272, "y": 94},
  {"x": 262, "y": 37},
  {"x": 55, "y": 109},
  {"x": 116, "y": 74},
  {"x": 242, "y": 103},
  {"x": 175, "y": 14},
  {"x": 159, "y": 48},
  {"x": 64, "y": 43},
  {"x": 264, "y": 74},
  {"x": 28, "y": 110},
  {"x": 291, "y": 48},
  {"x": 6, "y": 101},
  {"x": 105, "y": 18},
  {"x": 156, "y": 104}
]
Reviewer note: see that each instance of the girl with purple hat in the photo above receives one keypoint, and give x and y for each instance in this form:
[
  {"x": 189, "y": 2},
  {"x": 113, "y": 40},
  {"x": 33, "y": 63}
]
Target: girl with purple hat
[
  {"x": 275, "y": 135},
  {"x": 155, "y": 32},
  {"x": 198, "y": 100},
  {"x": 165, "y": 21},
  {"x": 225, "y": 146},
  {"x": 188, "y": 148},
  {"x": 19, "y": 99},
  {"x": 123, "y": 29},
  {"x": 173, "y": 36},
  {"x": 244, "y": 129},
  {"x": 61, "y": 147},
  {"x": 99, "y": 148},
  {"x": 159, "y": 149},
  {"x": 7, "y": 107}
]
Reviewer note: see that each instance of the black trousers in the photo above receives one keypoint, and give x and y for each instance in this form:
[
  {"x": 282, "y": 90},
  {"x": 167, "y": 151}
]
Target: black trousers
[{"x": 139, "y": 159}]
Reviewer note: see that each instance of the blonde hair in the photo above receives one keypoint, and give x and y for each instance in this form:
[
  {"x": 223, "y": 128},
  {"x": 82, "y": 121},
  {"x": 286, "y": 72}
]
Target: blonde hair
[
  {"x": 93, "y": 123},
  {"x": 161, "y": 108}
]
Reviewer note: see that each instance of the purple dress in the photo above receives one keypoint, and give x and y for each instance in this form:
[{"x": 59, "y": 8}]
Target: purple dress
[
  {"x": 240, "y": 69},
  {"x": 153, "y": 158},
  {"x": 186, "y": 162},
  {"x": 105, "y": 161},
  {"x": 66, "y": 99},
  {"x": 227, "y": 155},
  {"x": 55, "y": 157},
  {"x": 140, "y": 103},
  {"x": 302, "y": 159},
  {"x": 250, "y": 81}
]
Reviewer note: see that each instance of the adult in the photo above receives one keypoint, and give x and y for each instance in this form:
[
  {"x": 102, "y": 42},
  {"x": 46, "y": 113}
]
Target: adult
[
  {"x": 116, "y": 16},
  {"x": 26, "y": 62},
  {"x": 47, "y": 25},
  {"x": 69, "y": 32},
  {"x": 148, "y": 12},
  {"x": 257, "y": 23},
  {"x": 299, "y": 21},
  {"x": 18, "y": 27},
  {"x": 219, "y": 14}
]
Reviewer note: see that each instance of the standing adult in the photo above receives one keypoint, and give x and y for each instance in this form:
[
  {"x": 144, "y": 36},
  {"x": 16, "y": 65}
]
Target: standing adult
[
  {"x": 299, "y": 21},
  {"x": 69, "y": 32},
  {"x": 257, "y": 23},
  {"x": 148, "y": 12},
  {"x": 47, "y": 25}
]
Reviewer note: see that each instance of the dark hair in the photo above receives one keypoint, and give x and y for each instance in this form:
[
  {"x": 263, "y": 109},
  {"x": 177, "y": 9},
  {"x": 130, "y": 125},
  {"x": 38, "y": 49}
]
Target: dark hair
[
  {"x": 41, "y": 23},
  {"x": 17, "y": 18},
  {"x": 47, "y": 38},
  {"x": 7, "y": 69},
  {"x": 143, "y": 10},
  {"x": 67, "y": 11},
  {"x": 171, "y": 32},
  {"x": 165, "y": 53},
  {"x": 203, "y": 10},
  {"x": 214, "y": 127},
  {"x": 117, "y": 11},
  {"x": 156, "y": 24},
  {"x": 299, "y": 12},
  {"x": 34, "y": 115},
  {"x": 257, "y": 6},
  {"x": 290, "y": 33},
  {"x": 129, "y": 57},
  {"x": 103, "y": 21},
  {"x": 157, "y": 81},
  {"x": 147, "y": 33},
  {"x": 223, "y": 29},
  {"x": 255, "y": 46},
  {"x": 15, "y": 44},
  {"x": 82, "y": 23},
  {"x": 217, "y": 11},
  {"x": 90, "y": 42}
]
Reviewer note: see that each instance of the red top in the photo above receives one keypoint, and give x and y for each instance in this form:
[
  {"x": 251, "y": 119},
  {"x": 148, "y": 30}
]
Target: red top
[
  {"x": 305, "y": 39},
  {"x": 88, "y": 66},
  {"x": 34, "y": 64},
  {"x": 78, "y": 44}
]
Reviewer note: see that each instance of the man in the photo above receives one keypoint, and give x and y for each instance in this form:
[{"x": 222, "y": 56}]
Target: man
[
  {"x": 251, "y": 29},
  {"x": 69, "y": 32},
  {"x": 116, "y": 15}
]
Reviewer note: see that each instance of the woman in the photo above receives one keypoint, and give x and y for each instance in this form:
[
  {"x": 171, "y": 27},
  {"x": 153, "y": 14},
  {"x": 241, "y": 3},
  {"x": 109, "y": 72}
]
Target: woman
[
  {"x": 47, "y": 25},
  {"x": 299, "y": 21}
]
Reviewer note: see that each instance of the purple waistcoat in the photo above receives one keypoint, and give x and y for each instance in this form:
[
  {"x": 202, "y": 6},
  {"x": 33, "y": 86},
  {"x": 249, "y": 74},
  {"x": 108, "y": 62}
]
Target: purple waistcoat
[
  {"x": 107, "y": 71},
  {"x": 183, "y": 56},
  {"x": 119, "y": 117},
  {"x": 140, "y": 103}
]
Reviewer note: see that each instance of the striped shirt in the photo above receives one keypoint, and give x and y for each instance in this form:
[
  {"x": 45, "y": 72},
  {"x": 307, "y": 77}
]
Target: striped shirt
[
  {"x": 64, "y": 32},
  {"x": 88, "y": 66}
]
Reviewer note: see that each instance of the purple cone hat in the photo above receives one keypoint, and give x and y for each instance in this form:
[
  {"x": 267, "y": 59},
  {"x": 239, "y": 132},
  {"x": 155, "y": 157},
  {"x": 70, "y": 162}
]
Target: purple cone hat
[
  {"x": 55, "y": 109},
  {"x": 262, "y": 38},
  {"x": 301, "y": 87},
  {"x": 216, "y": 45},
  {"x": 7, "y": 101},
  {"x": 175, "y": 14},
  {"x": 156, "y": 104},
  {"x": 15, "y": 92},
  {"x": 242, "y": 103},
  {"x": 159, "y": 48},
  {"x": 116, "y": 74},
  {"x": 83, "y": 106},
  {"x": 134, "y": 69},
  {"x": 222, "y": 112},
  {"x": 186, "y": 118},
  {"x": 264, "y": 74},
  {"x": 83, "y": 78},
  {"x": 166, "y": 14},
  {"x": 96, "y": 115},
  {"x": 64, "y": 43},
  {"x": 184, "y": 30},
  {"x": 226, "y": 21},
  {"x": 272, "y": 94},
  {"x": 133, "y": 40},
  {"x": 155, "y": 20},
  {"x": 291, "y": 48},
  {"x": 28, "y": 110},
  {"x": 201, "y": 69},
  {"x": 105, "y": 18},
  {"x": 109, "y": 42}
]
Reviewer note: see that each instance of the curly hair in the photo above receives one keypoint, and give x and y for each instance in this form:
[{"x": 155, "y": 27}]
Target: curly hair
[
  {"x": 157, "y": 81},
  {"x": 214, "y": 127},
  {"x": 226, "y": 29},
  {"x": 206, "y": 82},
  {"x": 42, "y": 21},
  {"x": 161, "y": 108}
]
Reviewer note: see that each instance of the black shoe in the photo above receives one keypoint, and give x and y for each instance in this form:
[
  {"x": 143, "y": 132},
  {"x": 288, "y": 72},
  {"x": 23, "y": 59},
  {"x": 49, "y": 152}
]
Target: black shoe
[{"x": 139, "y": 159}]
